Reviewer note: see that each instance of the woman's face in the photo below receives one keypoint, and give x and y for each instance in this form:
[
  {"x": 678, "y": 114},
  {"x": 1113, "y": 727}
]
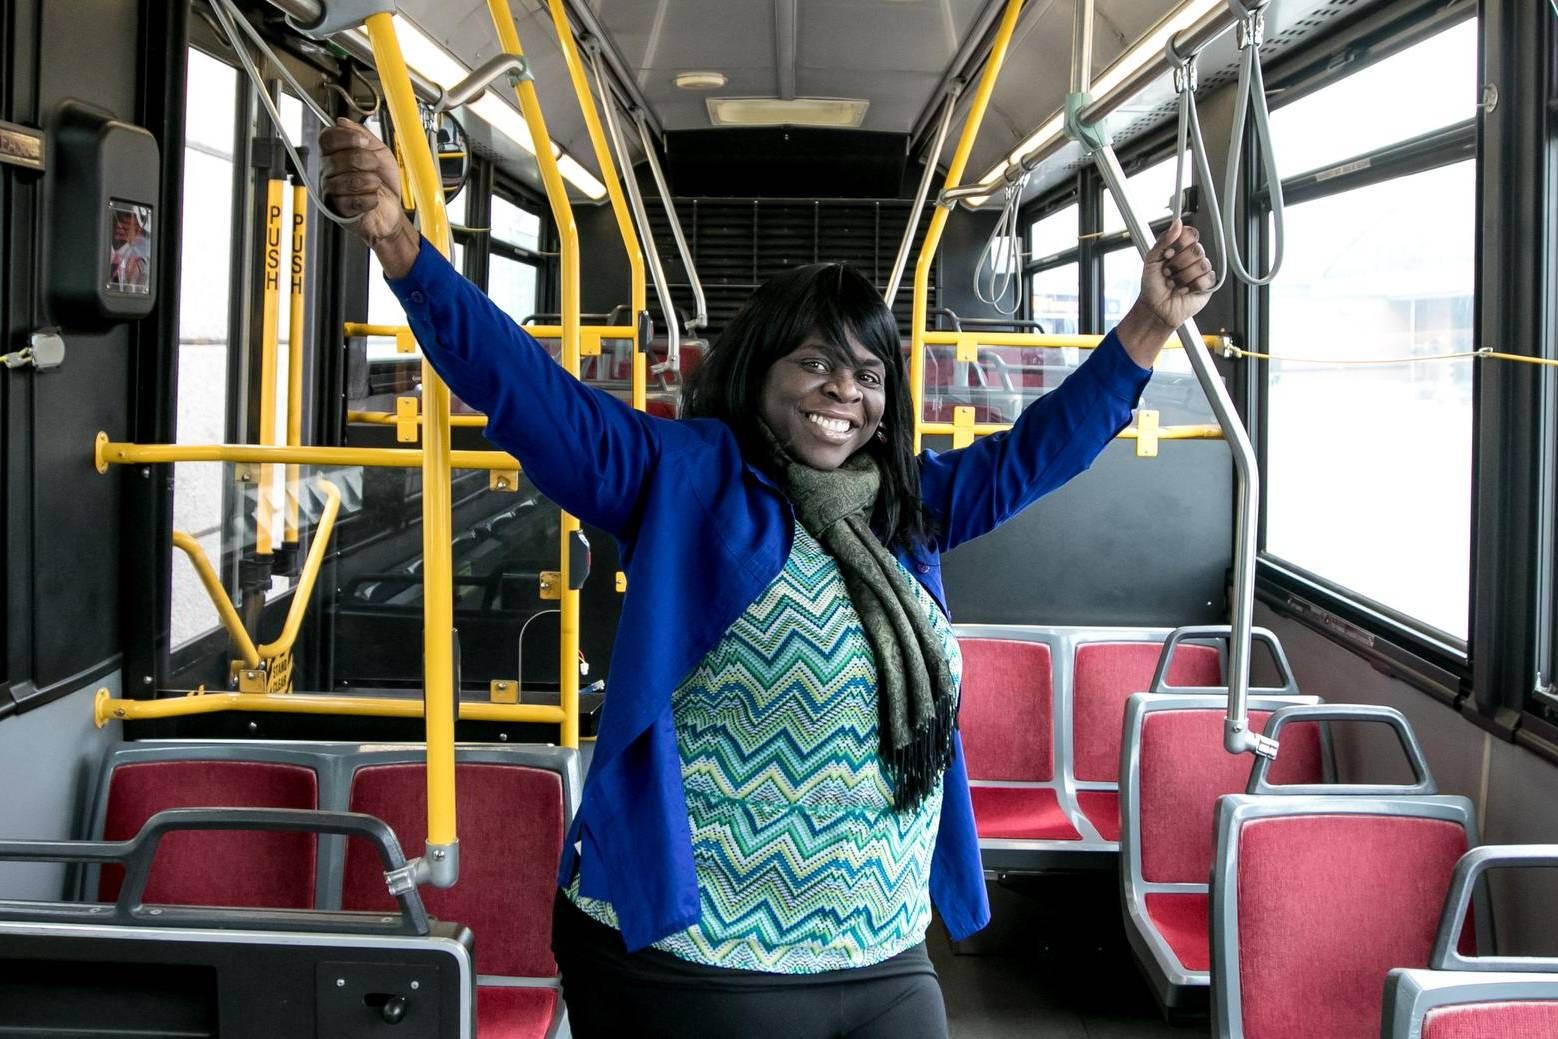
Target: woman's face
[{"x": 821, "y": 408}]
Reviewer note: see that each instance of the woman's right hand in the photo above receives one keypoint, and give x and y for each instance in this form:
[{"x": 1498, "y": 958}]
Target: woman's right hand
[{"x": 361, "y": 179}]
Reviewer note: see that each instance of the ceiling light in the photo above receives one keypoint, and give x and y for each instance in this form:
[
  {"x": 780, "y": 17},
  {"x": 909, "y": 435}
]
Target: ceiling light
[
  {"x": 580, "y": 177},
  {"x": 773, "y": 111},
  {"x": 699, "y": 80},
  {"x": 427, "y": 58},
  {"x": 502, "y": 117}
]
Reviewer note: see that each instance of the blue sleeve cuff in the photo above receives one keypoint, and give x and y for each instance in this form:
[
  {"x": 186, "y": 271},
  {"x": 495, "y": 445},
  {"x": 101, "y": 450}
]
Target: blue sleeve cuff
[
  {"x": 426, "y": 271},
  {"x": 1114, "y": 371}
]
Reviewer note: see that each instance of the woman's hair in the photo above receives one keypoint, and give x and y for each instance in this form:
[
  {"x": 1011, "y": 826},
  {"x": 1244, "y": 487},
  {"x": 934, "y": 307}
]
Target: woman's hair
[{"x": 837, "y": 303}]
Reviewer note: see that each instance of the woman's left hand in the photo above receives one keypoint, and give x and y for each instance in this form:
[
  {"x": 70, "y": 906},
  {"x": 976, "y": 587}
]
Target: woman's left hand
[{"x": 1176, "y": 282}]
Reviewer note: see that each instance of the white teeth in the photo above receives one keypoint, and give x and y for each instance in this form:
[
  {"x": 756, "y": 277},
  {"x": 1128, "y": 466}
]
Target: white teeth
[{"x": 832, "y": 425}]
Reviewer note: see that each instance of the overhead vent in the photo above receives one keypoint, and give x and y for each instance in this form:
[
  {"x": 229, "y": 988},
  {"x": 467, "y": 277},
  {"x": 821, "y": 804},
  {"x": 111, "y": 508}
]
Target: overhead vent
[{"x": 831, "y": 112}]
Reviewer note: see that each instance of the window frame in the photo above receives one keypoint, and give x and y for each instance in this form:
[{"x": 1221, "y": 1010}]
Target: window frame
[{"x": 543, "y": 259}]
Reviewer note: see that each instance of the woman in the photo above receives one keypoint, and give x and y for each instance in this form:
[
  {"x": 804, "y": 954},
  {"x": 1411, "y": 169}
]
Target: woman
[{"x": 778, "y": 791}]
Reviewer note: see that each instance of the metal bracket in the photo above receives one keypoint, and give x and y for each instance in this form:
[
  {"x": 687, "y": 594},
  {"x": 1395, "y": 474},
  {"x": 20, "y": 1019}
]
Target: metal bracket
[
  {"x": 503, "y": 480},
  {"x": 1094, "y": 135},
  {"x": 405, "y": 341},
  {"x": 1146, "y": 433},
  {"x": 339, "y": 15},
  {"x": 622, "y": 582},
  {"x": 1186, "y": 77},
  {"x": 962, "y": 426},
  {"x": 503, "y": 690},
  {"x": 406, "y": 420},
  {"x": 551, "y": 584},
  {"x": 1239, "y": 738},
  {"x": 515, "y": 66},
  {"x": 1251, "y": 30}
]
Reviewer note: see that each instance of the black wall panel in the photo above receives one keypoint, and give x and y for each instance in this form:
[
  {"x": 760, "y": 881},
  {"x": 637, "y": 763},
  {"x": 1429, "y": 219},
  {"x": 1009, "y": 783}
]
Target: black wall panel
[
  {"x": 69, "y": 534},
  {"x": 1130, "y": 541}
]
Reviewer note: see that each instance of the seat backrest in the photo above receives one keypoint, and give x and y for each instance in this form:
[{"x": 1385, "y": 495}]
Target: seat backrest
[
  {"x": 1179, "y": 769},
  {"x": 1466, "y": 996},
  {"x": 215, "y": 867},
  {"x": 1104, "y": 675},
  {"x": 511, "y": 819},
  {"x": 1315, "y": 898},
  {"x": 1007, "y": 710}
]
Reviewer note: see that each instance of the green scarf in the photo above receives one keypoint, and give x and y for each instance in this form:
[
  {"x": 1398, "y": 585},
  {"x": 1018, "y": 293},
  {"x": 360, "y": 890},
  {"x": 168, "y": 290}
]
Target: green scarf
[{"x": 915, "y": 696}]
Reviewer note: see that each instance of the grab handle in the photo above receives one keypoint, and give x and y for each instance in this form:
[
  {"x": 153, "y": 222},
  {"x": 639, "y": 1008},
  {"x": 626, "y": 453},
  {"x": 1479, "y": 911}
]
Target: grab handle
[{"x": 1423, "y": 780}]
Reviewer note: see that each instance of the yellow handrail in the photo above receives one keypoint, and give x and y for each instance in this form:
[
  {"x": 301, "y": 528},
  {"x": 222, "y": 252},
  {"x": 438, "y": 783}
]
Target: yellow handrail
[
  {"x": 107, "y": 708},
  {"x": 608, "y": 175},
  {"x": 938, "y": 220},
  {"x": 389, "y": 418},
  {"x": 1049, "y": 341},
  {"x": 218, "y": 596},
  {"x": 568, "y": 243},
  {"x": 295, "y": 355},
  {"x": 437, "y": 597},
  {"x": 303, "y": 591},
  {"x": 110, "y": 452}
]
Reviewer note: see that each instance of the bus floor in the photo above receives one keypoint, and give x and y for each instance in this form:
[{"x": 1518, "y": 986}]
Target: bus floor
[{"x": 1054, "y": 962}]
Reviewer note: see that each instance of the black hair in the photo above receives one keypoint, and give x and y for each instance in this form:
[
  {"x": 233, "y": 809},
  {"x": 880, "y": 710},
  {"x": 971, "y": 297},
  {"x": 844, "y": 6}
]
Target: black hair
[{"x": 837, "y": 303}]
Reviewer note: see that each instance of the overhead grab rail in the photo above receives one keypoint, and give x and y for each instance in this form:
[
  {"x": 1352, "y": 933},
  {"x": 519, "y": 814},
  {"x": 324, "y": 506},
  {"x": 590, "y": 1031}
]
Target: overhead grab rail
[
  {"x": 656, "y": 270},
  {"x": 932, "y": 159},
  {"x": 700, "y": 318},
  {"x": 1250, "y": 98},
  {"x": 1003, "y": 254},
  {"x": 1191, "y": 140}
]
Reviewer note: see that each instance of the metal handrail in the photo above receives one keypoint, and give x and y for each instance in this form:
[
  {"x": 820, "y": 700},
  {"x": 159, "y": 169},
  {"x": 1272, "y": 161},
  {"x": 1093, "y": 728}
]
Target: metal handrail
[
  {"x": 701, "y": 318},
  {"x": 954, "y": 91}
]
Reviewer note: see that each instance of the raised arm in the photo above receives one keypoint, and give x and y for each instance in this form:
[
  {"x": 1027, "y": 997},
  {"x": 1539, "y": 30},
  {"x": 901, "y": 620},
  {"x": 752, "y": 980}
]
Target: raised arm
[
  {"x": 974, "y": 490},
  {"x": 581, "y": 447}
]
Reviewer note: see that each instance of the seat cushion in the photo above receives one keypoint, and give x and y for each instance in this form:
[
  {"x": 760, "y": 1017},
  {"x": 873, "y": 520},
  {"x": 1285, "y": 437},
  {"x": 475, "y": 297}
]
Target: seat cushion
[
  {"x": 1105, "y": 676},
  {"x": 1182, "y": 921},
  {"x": 512, "y": 1012},
  {"x": 1021, "y": 813},
  {"x": 1102, "y": 808},
  {"x": 1007, "y": 710}
]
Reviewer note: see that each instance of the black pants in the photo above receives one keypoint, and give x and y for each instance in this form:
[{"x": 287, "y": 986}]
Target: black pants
[{"x": 650, "y": 993}]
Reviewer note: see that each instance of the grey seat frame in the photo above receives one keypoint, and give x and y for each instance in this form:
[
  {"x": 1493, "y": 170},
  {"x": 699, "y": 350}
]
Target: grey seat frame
[{"x": 1172, "y": 983}]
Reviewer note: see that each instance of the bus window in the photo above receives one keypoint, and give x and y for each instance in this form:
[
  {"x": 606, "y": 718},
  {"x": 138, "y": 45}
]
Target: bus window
[
  {"x": 204, "y": 311},
  {"x": 1378, "y": 270}
]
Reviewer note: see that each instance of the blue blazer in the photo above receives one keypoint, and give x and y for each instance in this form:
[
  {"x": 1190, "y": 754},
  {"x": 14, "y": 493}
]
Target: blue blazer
[{"x": 702, "y": 534}]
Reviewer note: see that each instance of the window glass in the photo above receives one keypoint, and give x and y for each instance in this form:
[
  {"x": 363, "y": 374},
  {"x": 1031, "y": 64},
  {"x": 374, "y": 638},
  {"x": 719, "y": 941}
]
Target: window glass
[
  {"x": 1423, "y": 88},
  {"x": 1054, "y": 299},
  {"x": 1122, "y": 284},
  {"x": 515, "y": 225},
  {"x": 1054, "y": 234},
  {"x": 512, "y": 286},
  {"x": 455, "y": 207},
  {"x": 204, "y": 307},
  {"x": 383, "y": 309},
  {"x": 1151, "y": 192},
  {"x": 1369, "y": 468}
]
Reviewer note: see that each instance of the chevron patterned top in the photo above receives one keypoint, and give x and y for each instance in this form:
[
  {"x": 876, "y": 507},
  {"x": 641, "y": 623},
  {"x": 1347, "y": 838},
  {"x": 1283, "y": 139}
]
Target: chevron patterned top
[{"x": 802, "y": 864}]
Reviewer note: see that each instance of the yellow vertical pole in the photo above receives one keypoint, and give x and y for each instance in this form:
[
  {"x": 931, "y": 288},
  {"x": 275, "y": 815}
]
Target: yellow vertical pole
[
  {"x": 439, "y": 697},
  {"x": 938, "y": 220},
  {"x": 608, "y": 174},
  {"x": 295, "y": 354},
  {"x": 568, "y": 237},
  {"x": 270, "y": 320}
]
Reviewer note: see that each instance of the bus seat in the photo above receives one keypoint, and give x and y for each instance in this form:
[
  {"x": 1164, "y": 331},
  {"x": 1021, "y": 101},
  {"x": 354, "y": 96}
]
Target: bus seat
[
  {"x": 1006, "y": 716},
  {"x": 1104, "y": 674},
  {"x": 1172, "y": 770},
  {"x": 1319, "y": 890},
  {"x": 514, "y": 806},
  {"x": 218, "y": 867},
  {"x": 1460, "y": 996}
]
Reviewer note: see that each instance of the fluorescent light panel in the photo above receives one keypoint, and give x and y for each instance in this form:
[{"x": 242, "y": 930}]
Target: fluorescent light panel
[
  {"x": 1136, "y": 57},
  {"x": 773, "y": 111},
  {"x": 437, "y": 65}
]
